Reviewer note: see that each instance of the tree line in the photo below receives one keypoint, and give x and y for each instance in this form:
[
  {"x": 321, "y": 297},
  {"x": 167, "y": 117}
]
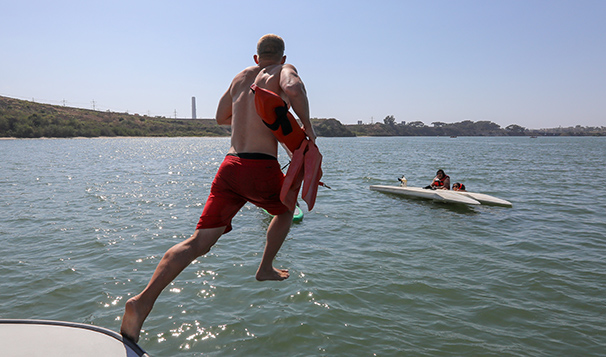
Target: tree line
[{"x": 389, "y": 127}]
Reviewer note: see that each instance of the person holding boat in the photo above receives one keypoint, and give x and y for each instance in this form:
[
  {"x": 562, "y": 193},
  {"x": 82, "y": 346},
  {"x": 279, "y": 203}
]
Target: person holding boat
[
  {"x": 440, "y": 182},
  {"x": 250, "y": 172}
]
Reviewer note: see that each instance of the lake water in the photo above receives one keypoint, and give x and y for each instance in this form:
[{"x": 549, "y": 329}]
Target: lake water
[{"x": 84, "y": 222}]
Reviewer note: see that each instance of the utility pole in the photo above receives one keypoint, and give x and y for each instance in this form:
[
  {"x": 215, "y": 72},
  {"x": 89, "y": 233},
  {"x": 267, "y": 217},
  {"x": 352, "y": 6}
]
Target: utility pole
[
  {"x": 175, "y": 113},
  {"x": 94, "y": 104}
]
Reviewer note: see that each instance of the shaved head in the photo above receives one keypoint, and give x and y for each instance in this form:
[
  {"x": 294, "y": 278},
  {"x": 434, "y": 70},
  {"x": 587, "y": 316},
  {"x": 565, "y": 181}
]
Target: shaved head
[{"x": 270, "y": 47}]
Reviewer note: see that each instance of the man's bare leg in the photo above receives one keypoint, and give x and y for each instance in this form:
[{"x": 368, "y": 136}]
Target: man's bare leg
[
  {"x": 173, "y": 262},
  {"x": 276, "y": 233}
]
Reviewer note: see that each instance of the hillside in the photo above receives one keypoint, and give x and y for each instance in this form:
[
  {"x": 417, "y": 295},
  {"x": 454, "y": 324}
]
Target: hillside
[{"x": 25, "y": 119}]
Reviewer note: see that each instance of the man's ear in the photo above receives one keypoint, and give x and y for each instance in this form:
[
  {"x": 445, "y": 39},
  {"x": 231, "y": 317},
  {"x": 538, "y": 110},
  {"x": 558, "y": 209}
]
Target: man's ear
[
  {"x": 256, "y": 58},
  {"x": 283, "y": 60}
]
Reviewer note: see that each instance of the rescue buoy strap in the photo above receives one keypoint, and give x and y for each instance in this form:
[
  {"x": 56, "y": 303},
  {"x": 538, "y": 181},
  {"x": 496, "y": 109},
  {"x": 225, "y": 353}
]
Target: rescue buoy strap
[{"x": 281, "y": 121}]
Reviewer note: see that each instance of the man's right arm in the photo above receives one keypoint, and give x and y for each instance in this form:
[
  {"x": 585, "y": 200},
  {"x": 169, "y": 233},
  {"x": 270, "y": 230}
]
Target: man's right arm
[{"x": 224, "y": 113}]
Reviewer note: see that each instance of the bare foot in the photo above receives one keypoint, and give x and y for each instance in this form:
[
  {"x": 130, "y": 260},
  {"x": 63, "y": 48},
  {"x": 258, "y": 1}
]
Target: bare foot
[
  {"x": 133, "y": 319},
  {"x": 273, "y": 274}
]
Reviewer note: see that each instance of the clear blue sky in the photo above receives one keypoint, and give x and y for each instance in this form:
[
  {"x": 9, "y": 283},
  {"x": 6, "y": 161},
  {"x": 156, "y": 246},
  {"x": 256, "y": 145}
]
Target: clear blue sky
[{"x": 539, "y": 64}]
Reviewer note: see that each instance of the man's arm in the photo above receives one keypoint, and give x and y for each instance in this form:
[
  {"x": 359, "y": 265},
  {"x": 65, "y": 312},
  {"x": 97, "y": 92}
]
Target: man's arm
[
  {"x": 223, "y": 115},
  {"x": 293, "y": 87}
]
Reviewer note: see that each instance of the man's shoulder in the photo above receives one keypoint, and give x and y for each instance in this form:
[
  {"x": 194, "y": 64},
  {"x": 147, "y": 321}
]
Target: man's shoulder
[
  {"x": 289, "y": 67},
  {"x": 246, "y": 72},
  {"x": 244, "y": 78},
  {"x": 250, "y": 70}
]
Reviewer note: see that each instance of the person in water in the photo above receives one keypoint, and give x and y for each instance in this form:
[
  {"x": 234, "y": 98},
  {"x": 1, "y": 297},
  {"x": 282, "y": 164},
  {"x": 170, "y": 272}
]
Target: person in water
[
  {"x": 458, "y": 187},
  {"x": 250, "y": 172},
  {"x": 440, "y": 182}
]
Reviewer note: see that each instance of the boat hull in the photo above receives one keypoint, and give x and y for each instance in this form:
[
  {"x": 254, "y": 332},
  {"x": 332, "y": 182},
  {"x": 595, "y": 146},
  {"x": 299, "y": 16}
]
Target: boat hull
[
  {"x": 60, "y": 338},
  {"x": 486, "y": 199},
  {"x": 446, "y": 196}
]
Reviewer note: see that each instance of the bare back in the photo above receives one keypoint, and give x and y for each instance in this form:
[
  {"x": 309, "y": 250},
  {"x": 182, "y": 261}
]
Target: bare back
[{"x": 249, "y": 133}]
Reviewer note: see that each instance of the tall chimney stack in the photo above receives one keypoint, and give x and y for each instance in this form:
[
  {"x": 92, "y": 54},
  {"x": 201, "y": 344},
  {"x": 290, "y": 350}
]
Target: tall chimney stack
[{"x": 193, "y": 107}]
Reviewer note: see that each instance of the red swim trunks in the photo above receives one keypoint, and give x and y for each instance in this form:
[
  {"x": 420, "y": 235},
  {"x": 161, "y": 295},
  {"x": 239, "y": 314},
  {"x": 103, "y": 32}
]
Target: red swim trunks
[{"x": 240, "y": 180}]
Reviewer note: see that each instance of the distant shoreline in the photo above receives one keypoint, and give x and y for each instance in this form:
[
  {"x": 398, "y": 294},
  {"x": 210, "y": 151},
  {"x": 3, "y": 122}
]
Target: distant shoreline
[
  {"x": 25, "y": 119},
  {"x": 109, "y": 137},
  {"x": 358, "y": 136}
]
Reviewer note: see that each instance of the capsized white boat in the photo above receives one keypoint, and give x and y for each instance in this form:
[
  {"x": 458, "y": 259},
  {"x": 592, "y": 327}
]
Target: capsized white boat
[
  {"x": 436, "y": 195},
  {"x": 449, "y": 196},
  {"x": 60, "y": 339}
]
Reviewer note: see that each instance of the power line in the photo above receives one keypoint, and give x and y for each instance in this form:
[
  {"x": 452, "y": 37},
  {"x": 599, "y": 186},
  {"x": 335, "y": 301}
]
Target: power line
[{"x": 85, "y": 105}]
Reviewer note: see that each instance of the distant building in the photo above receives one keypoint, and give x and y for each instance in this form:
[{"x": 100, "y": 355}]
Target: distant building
[
  {"x": 360, "y": 122},
  {"x": 193, "y": 107}
]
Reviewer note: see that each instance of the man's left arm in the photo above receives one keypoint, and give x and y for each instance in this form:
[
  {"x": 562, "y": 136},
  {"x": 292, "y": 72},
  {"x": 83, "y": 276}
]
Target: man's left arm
[{"x": 293, "y": 87}]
